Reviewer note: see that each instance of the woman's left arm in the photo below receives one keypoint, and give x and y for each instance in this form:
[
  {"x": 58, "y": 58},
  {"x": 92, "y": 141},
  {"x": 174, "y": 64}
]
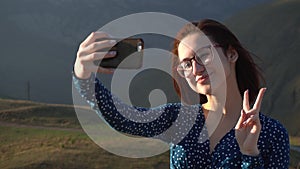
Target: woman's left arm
[
  {"x": 247, "y": 132},
  {"x": 275, "y": 140},
  {"x": 248, "y": 127}
]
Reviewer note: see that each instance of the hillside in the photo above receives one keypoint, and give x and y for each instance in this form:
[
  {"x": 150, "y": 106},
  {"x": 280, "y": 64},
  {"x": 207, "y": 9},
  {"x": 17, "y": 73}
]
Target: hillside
[
  {"x": 39, "y": 38},
  {"x": 272, "y": 32},
  {"x": 37, "y": 135},
  {"x": 30, "y": 113}
]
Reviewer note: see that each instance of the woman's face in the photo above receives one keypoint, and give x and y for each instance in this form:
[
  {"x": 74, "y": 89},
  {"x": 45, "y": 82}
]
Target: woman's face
[{"x": 206, "y": 77}]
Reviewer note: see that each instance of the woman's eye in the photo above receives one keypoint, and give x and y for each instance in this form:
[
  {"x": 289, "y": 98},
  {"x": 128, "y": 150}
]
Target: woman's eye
[
  {"x": 187, "y": 65},
  {"x": 203, "y": 57}
]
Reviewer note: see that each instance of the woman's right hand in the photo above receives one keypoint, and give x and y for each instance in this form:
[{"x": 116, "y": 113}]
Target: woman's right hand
[{"x": 88, "y": 52}]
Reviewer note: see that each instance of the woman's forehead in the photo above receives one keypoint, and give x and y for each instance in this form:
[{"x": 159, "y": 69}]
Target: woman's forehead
[
  {"x": 194, "y": 42},
  {"x": 191, "y": 43}
]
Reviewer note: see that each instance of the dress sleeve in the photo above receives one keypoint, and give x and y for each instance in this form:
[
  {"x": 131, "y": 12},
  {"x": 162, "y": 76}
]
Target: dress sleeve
[
  {"x": 253, "y": 162},
  {"x": 146, "y": 122},
  {"x": 275, "y": 140}
]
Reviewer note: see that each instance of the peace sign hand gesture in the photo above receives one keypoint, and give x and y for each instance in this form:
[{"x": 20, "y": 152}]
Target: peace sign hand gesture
[{"x": 248, "y": 126}]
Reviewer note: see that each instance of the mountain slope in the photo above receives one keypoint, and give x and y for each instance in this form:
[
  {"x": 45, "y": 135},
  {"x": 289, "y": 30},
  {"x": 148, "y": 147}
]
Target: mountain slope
[
  {"x": 39, "y": 38},
  {"x": 272, "y": 32}
]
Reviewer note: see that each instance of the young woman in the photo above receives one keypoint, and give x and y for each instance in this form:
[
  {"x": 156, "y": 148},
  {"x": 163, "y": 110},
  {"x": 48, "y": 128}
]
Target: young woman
[{"x": 228, "y": 131}]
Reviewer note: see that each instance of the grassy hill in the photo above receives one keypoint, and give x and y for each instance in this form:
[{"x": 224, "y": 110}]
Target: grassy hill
[
  {"x": 38, "y": 114},
  {"x": 31, "y": 148},
  {"x": 272, "y": 32},
  {"x": 36, "y": 135}
]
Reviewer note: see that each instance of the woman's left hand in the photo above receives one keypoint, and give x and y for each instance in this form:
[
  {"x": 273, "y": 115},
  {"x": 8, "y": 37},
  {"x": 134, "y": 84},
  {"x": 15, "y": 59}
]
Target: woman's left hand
[{"x": 248, "y": 126}]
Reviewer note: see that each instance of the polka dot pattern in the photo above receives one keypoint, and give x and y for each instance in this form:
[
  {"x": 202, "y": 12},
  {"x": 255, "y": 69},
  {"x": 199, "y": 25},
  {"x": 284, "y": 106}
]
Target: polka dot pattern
[{"x": 183, "y": 127}]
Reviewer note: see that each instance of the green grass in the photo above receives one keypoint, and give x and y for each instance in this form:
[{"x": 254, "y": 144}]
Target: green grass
[
  {"x": 44, "y": 148},
  {"x": 294, "y": 159},
  {"x": 38, "y": 114},
  {"x": 35, "y": 144},
  {"x": 30, "y": 141},
  {"x": 294, "y": 156},
  {"x": 295, "y": 141}
]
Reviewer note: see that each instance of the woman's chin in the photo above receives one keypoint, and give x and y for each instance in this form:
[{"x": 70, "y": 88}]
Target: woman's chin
[
  {"x": 201, "y": 88},
  {"x": 206, "y": 89}
]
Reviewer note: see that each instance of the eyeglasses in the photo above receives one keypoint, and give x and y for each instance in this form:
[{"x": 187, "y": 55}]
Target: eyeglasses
[{"x": 202, "y": 56}]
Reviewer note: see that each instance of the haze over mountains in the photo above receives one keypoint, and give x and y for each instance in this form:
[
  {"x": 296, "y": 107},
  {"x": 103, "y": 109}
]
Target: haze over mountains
[
  {"x": 39, "y": 38},
  {"x": 272, "y": 32}
]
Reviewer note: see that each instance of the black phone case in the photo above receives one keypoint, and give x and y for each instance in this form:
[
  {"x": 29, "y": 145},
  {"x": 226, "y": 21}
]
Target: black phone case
[{"x": 127, "y": 57}]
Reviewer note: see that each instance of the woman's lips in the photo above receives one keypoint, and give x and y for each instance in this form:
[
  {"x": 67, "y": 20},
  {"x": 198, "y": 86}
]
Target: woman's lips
[{"x": 201, "y": 79}]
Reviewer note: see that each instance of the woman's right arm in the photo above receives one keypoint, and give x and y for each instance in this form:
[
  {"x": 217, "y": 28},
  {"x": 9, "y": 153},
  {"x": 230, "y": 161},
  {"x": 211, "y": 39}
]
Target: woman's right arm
[{"x": 122, "y": 117}]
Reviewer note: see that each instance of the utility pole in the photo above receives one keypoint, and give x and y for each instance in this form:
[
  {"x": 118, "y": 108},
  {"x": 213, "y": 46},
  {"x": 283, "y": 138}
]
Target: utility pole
[{"x": 28, "y": 90}]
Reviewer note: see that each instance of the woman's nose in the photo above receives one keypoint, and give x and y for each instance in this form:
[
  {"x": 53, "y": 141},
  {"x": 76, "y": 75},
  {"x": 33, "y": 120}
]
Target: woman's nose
[{"x": 197, "y": 68}]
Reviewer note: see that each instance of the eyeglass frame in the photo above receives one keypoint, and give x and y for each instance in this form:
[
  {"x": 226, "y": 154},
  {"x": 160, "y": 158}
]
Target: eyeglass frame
[{"x": 194, "y": 58}]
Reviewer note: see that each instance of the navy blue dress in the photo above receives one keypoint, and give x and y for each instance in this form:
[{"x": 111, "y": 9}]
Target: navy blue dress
[{"x": 183, "y": 128}]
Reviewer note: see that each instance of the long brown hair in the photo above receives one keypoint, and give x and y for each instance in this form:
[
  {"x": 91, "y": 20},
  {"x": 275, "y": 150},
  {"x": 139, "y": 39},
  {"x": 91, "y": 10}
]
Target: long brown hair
[{"x": 247, "y": 72}]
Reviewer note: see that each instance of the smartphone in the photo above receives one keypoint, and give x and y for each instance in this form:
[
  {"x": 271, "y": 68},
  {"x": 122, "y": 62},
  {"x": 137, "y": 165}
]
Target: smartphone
[{"x": 129, "y": 54}]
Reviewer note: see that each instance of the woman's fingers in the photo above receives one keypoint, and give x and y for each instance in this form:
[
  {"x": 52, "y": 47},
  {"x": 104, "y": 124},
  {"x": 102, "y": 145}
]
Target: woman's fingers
[
  {"x": 93, "y": 37},
  {"x": 103, "y": 45},
  {"x": 257, "y": 104},
  {"x": 95, "y": 47},
  {"x": 256, "y": 127},
  {"x": 239, "y": 124},
  {"x": 94, "y": 68},
  {"x": 248, "y": 120},
  {"x": 249, "y": 125},
  {"x": 99, "y": 56},
  {"x": 259, "y": 98},
  {"x": 252, "y": 120},
  {"x": 105, "y": 70},
  {"x": 246, "y": 106}
]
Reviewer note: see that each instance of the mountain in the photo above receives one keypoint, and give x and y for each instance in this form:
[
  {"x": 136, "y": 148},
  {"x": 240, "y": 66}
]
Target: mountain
[
  {"x": 39, "y": 38},
  {"x": 272, "y": 32}
]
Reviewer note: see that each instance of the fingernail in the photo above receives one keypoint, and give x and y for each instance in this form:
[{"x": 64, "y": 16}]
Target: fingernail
[
  {"x": 112, "y": 41},
  {"x": 264, "y": 89},
  {"x": 112, "y": 52}
]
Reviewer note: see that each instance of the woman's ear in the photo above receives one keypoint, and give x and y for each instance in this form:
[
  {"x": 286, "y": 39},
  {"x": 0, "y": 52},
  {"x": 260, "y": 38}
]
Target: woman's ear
[
  {"x": 233, "y": 58},
  {"x": 232, "y": 54}
]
